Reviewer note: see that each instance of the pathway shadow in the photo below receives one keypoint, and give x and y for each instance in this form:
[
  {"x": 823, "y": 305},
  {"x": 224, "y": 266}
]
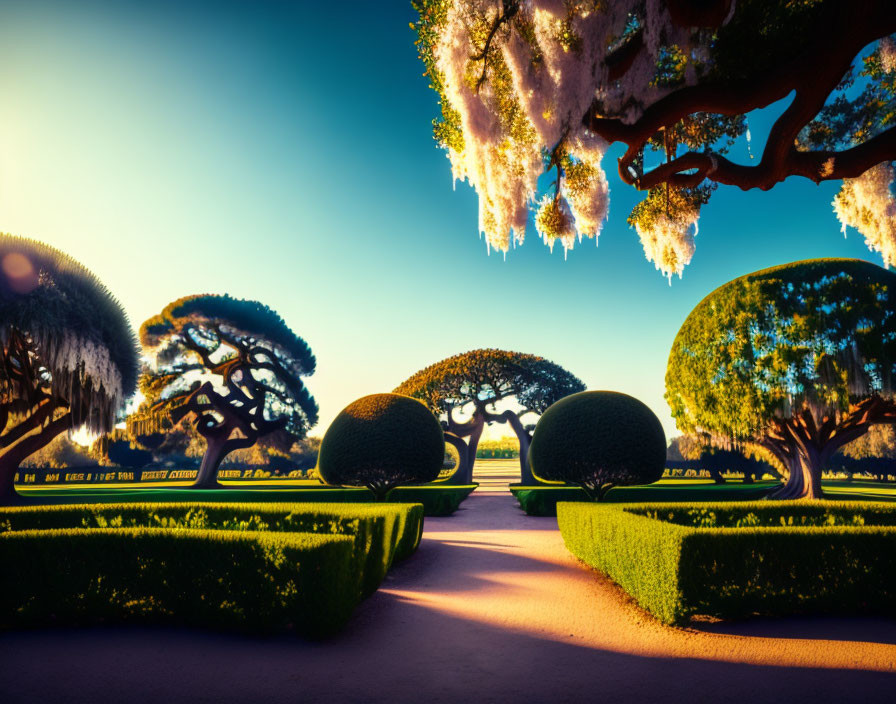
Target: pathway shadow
[
  {"x": 449, "y": 566},
  {"x": 394, "y": 651}
]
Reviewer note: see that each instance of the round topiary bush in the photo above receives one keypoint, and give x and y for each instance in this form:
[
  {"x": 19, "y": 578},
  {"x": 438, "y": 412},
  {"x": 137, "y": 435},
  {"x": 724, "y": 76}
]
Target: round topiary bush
[
  {"x": 598, "y": 440},
  {"x": 382, "y": 441}
]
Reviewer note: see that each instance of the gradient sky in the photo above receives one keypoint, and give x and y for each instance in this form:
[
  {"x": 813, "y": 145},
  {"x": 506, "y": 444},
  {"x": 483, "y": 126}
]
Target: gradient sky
[{"x": 283, "y": 152}]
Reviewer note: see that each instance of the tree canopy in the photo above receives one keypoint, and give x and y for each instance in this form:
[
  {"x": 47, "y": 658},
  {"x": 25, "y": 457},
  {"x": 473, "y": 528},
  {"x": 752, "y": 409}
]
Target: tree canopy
[
  {"x": 232, "y": 366},
  {"x": 598, "y": 440},
  {"x": 68, "y": 356},
  {"x": 382, "y": 441},
  {"x": 528, "y": 87},
  {"x": 474, "y": 381},
  {"x": 797, "y": 359}
]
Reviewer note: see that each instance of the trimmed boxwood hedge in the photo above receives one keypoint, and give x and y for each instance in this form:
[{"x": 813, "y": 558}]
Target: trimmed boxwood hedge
[
  {"x": 543, "y": 500},
  {"x": 437, "y": 499},
  {"x": 228, "y": 579},
  {"x": 734, "y": 560},
  {"x": 381, "y": 533}
]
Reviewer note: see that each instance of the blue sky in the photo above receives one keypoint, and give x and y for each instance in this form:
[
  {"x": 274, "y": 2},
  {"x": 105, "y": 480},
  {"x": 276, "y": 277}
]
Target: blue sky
[{"x": 283, "y": 152}]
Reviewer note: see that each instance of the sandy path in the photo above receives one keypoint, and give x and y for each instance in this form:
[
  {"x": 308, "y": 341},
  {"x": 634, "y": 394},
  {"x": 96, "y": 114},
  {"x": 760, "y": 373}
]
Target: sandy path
[{"x": 491, "y": 608}]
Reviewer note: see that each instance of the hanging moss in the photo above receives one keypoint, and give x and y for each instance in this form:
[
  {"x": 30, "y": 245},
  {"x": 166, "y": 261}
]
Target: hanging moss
[{"x": 78, "y": 337}]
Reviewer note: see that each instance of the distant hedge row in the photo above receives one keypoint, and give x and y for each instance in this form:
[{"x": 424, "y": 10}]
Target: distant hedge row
[
  {"x": 307, "y": 565},
  {"x": 733, "y": 560}
]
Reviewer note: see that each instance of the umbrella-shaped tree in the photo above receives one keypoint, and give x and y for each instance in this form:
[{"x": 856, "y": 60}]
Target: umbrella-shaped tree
[
  {"x": 473, "y": 382},
  {"x": 798, "y": 360},
  {"x": 230, "y": 366},
  {"x": 69, "y": 357}
]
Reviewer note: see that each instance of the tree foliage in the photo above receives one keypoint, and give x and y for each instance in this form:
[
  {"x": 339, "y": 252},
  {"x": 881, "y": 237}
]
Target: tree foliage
[
  {"x": 475, "y": 381},
  {"x": 382, "y": 441},
  {"x": 68, "y": 357},
  {"x": 598, "y": 440},
  {"x": 232, "y": 367},
  {"x": 798, "y": 359},
  {"x": 878, "y": 442},
  {"x": 528, "y": 87}
]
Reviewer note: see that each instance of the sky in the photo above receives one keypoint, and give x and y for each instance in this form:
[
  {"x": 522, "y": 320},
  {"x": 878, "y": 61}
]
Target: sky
[{"x": 283, "y": 152}]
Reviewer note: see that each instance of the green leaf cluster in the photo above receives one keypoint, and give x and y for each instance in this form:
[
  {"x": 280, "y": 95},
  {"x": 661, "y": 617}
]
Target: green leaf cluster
[
  {"x": 484, "y": 376},
  {"x": 818, "y": 334}
]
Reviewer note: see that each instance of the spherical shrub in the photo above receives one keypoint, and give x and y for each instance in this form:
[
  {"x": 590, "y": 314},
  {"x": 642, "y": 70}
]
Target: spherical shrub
[
  {"x": 382, "y": 441},
  {"x": 598, "y": 440}
]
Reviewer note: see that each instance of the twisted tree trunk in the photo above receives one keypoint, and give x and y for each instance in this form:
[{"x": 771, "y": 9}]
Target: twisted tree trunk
[
  {"x": 218, "y": 446},
  {"x": 804, "y": 481},
  {"x": 524, "y": 438},
  {"x": 806, "y": 444},
  {"x": 471, "y": 429},
  {"x": 15, "y": 455},
  {"x": 460, "y": 472},
  {"x": 207, "y": 476}
]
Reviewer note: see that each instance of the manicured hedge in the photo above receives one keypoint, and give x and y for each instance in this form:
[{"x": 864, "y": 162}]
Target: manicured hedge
[
  {"x": 437, "y": 500},
  {"x": 381, "y": 533},
  {"x": 745, "y": 558},
  {"x": 542, "y": 500},
  {"x": 232, "y": 579}
]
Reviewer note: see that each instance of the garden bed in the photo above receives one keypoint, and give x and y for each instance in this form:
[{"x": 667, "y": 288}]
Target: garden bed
[
  {"x": 437, "y": 500},
  {"x": 256, "y": 542},
  {"x": 736, "y": 560}
]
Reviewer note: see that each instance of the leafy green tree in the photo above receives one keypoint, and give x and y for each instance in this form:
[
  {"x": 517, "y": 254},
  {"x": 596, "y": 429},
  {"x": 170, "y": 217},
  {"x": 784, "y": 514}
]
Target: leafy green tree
[
  {"x": 68, "y": 357},
  {"x": 798, "y": 360},
  {"x": 230, "y": 367},
  {"x": 60, "y": 453},
  {"x": 382, "y": 441},
  {"x": 528, "y": 87},
  {"x": 684, "y": 447},
  {"x": 879, "y": 441},
  {"x": 598, "y": 440},
  {"x": 473, "y": 382}
]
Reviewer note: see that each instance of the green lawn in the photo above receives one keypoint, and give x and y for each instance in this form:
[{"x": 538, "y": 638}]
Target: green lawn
[{"x": 437, "y": 499}]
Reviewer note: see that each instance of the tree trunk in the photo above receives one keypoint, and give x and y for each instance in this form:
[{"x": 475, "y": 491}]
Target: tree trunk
[
  {"x": 526, "y": 476},
  {"x": 716, "y": 475},
  {"x": 8, "y": 494},
  {"x": 804, "y": 481},
  {"x": 473, "y": 443},
  {"x": 14, "y": 456},
  {"x": 207, "y": 476},
  {"x": 461, "y": 471}
]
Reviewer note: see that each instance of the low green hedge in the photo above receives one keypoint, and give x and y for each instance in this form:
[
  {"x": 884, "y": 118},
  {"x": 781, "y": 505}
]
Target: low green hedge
[
  {"x": 734, "y": 560},
  {"x": 437, "y": 500},
  {"x": 382, "y": 533},
  {"x": 542, "y": 500},
  {"x": 232, "y": 579}
]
